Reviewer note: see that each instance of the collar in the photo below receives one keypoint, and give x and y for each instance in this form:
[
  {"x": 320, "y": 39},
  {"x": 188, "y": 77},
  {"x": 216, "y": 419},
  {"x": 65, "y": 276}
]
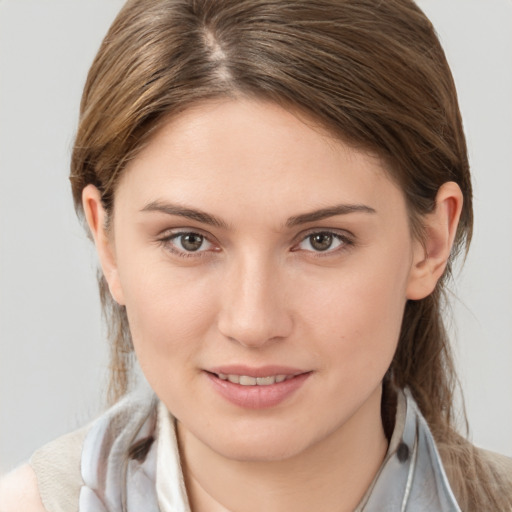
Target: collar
[{"x": 131, "y": 462}]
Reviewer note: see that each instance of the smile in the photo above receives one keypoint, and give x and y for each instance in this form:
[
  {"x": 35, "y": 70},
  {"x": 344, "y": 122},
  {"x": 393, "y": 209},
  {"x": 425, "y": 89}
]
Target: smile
[
  {"x": 256, "y": 388},
  {"x": 246, "y": 380}
]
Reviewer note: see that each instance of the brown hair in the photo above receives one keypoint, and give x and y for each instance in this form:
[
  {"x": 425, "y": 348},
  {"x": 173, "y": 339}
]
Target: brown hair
[{"x": 372, "y": 72}]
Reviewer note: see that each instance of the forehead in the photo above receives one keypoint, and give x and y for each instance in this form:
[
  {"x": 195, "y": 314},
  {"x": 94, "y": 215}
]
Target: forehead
[{"x": 247, "y": 153}]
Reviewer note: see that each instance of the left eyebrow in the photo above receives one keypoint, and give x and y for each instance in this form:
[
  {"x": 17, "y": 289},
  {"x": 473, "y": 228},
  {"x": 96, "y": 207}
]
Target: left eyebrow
[
  {"x": 324, "y": 213},
  {"x": 188, "y": 213}
]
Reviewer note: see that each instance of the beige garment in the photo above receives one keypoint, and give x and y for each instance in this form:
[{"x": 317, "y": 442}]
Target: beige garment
[
  {"x": 482, "y": 465},
  {"x": 501, "y": 464},
  {"x": 57, "y": 469}
]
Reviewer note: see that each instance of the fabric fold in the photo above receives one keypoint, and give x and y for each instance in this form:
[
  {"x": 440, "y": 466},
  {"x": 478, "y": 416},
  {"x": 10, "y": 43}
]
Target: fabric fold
[{"x": 131, "y": 462}]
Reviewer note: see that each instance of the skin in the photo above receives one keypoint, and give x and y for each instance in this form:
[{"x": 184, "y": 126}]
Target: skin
[
  {"x": 18, "y": 491},
  {"x": 258, "y": 291}
]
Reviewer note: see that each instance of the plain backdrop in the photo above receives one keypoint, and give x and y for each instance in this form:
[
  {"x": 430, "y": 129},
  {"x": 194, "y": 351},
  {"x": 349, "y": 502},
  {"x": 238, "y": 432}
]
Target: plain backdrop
[{"x": 52, "y": 349}]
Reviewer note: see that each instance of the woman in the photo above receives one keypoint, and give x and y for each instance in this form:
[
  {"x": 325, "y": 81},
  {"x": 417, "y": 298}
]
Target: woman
[{"x": 275, "y": 190}]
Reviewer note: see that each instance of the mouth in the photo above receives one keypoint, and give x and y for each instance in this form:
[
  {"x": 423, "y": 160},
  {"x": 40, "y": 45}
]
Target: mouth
[
  {"x": 257, "y": 388},
  {"x": 247, "y": 380}
]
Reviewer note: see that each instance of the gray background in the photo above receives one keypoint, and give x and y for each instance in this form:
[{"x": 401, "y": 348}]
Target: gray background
[{"x": 52, "y": 353}]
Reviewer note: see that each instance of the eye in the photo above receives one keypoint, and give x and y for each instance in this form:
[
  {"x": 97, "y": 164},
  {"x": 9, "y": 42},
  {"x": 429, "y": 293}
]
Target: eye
[
  {"x": 190, "y": 242},
  {"x": 322, "y": 241},
  {"x": 184, "y": 243}
]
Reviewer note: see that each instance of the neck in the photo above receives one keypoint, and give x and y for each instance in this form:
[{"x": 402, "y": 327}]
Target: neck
[{"x": 332, "y": 475}]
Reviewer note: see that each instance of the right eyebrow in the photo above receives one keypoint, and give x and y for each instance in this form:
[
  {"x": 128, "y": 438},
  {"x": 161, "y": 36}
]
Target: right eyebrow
[
  {"x": 182, "y": 211},
  {"x": 324, "y": 213}
]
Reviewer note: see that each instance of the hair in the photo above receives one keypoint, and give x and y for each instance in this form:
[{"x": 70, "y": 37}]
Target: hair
[{"x": 373, "y": 73}]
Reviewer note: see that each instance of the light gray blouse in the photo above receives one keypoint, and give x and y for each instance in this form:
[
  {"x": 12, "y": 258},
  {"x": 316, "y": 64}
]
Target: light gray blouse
[{"x": 128, "y": 461}]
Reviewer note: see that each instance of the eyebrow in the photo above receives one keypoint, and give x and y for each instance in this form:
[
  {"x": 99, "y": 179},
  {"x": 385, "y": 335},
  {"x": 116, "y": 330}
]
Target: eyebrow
[
  {"x": 324, "y": 213},
  {"x": 188, "y": 213},
  {"x": 304, "y": 218}
]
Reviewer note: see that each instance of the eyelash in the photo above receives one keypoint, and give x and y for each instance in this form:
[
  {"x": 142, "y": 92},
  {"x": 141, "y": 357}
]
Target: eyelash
[
  {"x": 168, "y": 243},
  {"x": 344, "y": 240}
]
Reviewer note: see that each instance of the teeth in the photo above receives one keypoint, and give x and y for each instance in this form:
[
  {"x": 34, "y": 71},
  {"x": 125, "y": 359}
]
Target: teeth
[
  {"x": 265, "y": 381},
  {"x": 246, "y": 380}
]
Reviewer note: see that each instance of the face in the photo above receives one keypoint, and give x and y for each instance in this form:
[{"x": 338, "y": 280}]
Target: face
[{"x": 264, "y": 266}]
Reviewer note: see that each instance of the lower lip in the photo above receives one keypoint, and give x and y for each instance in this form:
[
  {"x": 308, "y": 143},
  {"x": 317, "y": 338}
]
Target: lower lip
[{"x": 257, "y": 397}]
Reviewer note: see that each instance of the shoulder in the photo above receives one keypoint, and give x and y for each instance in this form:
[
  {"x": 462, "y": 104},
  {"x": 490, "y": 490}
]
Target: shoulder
[
  {"x": 56, "y": 467},
  {"x": 19, "y": 491},
  {"x": 50, "y": 481},
  {"x": 480, "y": 479},
  {"x": 500, "y": 465}
]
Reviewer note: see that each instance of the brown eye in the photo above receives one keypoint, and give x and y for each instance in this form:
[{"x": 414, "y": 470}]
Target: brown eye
[
  {"x": 188, "y": 244},
  {"x": 190, "y": 241},
  {"x": 321, "y": 241}
]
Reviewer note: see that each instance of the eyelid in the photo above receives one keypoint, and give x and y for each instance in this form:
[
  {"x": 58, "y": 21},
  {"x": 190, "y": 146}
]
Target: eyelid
[
  {"x": 166, "y": 237},
  {"x": 346, "y": 237}
]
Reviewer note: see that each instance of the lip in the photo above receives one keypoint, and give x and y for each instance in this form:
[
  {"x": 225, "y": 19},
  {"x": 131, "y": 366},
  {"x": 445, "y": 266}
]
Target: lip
[
  {"x": 257, "y": 397},
  {"x": 260, "y": 371}
]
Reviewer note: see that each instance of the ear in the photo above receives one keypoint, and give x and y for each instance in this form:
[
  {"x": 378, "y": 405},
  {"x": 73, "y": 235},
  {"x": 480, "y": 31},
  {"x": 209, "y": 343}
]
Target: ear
[
  {"x": 431, "y": 255},
  {"x": 96, "y": 217}
]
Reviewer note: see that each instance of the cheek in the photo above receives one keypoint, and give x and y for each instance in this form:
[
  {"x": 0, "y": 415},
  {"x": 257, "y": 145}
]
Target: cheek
[
  {"x": 356, "y": 318},
  {"x": 169, "y": 321},
  {"x": 169, "y": 310}
]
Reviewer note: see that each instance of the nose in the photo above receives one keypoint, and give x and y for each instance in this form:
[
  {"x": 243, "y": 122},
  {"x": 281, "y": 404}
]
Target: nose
[{"x": 253, "y": 308}]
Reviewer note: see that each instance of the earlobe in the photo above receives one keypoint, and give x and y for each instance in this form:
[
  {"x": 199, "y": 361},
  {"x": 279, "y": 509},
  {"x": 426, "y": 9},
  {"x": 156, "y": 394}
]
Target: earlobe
[
  {"x": 431, "y": 255},
  {"x": 96, "y": 217}
]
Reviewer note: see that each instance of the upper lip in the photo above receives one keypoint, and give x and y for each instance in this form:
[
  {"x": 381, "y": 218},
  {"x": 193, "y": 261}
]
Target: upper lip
[{"x": 252, "y": 371}]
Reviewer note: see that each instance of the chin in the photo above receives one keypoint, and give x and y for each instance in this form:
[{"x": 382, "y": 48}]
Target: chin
[
  {"x": 263, "y": 443},
  {"x": 271, "y": 451}
]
